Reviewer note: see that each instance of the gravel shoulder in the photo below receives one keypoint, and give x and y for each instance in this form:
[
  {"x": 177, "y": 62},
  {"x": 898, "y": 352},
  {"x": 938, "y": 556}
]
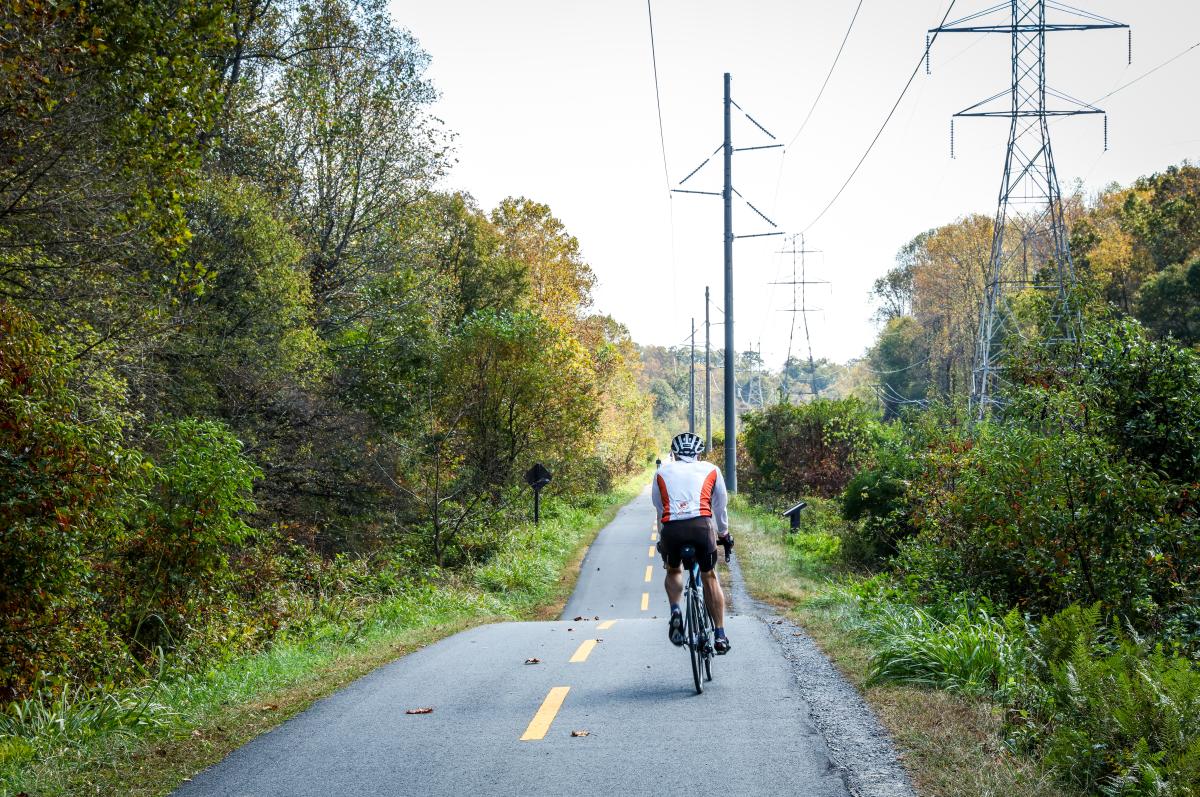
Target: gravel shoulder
[{"x": 858, "y": 744}]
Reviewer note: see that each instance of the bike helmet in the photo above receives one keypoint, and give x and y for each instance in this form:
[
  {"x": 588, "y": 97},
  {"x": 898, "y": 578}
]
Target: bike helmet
[{"x": 687, "y": 445}]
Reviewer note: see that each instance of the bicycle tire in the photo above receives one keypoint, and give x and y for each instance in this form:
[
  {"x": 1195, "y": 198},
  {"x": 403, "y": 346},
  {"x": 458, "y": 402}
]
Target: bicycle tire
[
  {"x": 695, "y": 639},
  {"x": 710, "y": 640}
]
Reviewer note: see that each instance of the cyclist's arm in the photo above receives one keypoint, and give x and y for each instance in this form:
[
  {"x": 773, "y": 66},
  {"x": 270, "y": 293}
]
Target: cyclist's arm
[{"x": 720, "y": 505}]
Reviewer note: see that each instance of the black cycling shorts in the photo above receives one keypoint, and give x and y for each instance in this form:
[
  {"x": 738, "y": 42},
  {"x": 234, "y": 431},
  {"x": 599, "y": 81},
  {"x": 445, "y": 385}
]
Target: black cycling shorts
[{"x": 700, "y": 532}]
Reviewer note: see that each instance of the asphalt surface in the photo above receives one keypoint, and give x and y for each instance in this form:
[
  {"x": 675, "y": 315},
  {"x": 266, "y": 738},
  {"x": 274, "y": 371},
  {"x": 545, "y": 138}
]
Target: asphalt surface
[{"x": 751, "y": 732}]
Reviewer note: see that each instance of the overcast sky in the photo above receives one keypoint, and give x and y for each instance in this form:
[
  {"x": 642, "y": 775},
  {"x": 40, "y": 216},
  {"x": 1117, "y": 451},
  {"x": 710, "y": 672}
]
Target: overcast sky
[{"x": 554, "y": 100}]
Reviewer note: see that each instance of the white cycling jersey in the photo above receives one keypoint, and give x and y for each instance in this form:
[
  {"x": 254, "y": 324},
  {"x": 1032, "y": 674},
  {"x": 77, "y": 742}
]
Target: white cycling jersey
[{"x": 688, "y": 488}]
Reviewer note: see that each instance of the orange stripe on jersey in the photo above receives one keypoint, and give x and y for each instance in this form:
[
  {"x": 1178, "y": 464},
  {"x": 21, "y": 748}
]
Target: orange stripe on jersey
[
  {"x": 706, "y": 494},
  {"x": 666, "y": 499}
]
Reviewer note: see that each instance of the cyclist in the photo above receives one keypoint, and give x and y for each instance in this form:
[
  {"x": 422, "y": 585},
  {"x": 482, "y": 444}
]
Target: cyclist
[{"x": 690, "y": 499}]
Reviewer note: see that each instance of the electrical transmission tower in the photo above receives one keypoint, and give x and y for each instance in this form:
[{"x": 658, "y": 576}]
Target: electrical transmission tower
[
  {"x": 800, "y": 283},
  {"x": 1029, "y": 240},
  {"x": 726, "y": 195}
]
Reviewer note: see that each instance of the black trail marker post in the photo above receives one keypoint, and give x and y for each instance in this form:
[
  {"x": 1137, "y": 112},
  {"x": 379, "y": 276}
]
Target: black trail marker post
[
  {"x": 793, "y": 515},
  {"x": 537, "y": 477}
]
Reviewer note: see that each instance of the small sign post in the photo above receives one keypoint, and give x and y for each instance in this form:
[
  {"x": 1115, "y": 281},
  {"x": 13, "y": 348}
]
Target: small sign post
[
  {"x": 793, "y": 515},
  {"x": 537, "y": 477}
]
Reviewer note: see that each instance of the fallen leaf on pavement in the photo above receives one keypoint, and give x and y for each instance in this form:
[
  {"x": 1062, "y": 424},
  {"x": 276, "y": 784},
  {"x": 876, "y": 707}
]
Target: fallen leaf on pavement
[
  {"x": 419, "y": 711},
  {"x": 597, "y": 617},
  {"x": 570, "y": 629},
  {"x": 580, "y": 733},
  {"x": 577, "y": 619},
  {"x": 534, "y": 660}
]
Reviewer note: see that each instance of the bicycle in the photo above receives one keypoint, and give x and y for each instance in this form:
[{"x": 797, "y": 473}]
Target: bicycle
[{"x": 698, "y": 622}]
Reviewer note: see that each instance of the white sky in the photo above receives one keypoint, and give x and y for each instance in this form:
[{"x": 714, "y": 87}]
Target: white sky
[{"x": 554, "y": 100}]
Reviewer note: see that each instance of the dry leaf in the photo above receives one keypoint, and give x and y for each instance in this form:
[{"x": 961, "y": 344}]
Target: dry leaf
[
  {"x": 534, "y": 660},
  {"x": 570, "y": 629},
  {"x": 197, "y": 734},
  {"x": 580, "y": 733},
  {"x": 597, "y": 617},
  {"x": 419, "y": 711},
  {"x": 577, "y": 619},
  {"x": 269, "y": 706}
]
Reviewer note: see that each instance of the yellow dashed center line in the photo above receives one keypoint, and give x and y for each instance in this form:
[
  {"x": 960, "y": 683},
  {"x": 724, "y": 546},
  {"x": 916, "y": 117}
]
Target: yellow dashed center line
[
  {"x": 584, "y": 650},
  {"x": 607, "y": 624},
  {"x": 654, "y": 537},
  {"x": 645, "y": 601},
  {"x": 651, "y": 554},
  {"x": 649, "y": 571},
  {"x": 546, "y": 714}
]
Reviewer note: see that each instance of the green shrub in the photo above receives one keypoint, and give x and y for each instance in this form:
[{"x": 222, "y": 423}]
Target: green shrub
[{"x": 809, "y": 449}]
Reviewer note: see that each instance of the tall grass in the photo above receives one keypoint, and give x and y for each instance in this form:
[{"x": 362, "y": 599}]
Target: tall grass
[{"x": 972, "y": 653}]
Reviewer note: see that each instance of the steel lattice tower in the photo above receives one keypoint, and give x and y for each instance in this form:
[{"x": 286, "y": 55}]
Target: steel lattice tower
[{"x": 1030, "y": 246}]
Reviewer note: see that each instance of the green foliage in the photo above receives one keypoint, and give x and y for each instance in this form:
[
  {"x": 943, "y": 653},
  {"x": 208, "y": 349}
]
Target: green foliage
[
  {"x": 60, "y": 466},
  {"x": 188, "y": 511},
  {"x": 970, "y": 653},
  {"x": 1145, "y": 395},
  {"x": 897, "y": 358},
  {"x": 1164, "y": 211},
  {"x": 1110, "y": 712},
  {"x": 1169, "y": 303},
  {"x": 809, "y": 448}
]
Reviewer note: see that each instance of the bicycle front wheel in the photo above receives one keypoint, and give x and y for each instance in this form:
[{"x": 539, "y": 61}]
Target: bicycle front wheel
[
  {"x": 695, "y": 636},
  {"x": 709, "y": 640}
]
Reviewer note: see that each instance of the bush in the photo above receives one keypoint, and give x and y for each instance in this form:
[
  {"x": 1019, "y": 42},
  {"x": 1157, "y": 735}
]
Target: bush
[
  {"x": 62, "y": 470},
  {"x": 809, "y": 449}
]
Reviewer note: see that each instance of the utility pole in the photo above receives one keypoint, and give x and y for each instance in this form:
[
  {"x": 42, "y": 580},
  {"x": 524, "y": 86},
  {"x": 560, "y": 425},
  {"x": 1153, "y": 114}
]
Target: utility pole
[
  {"x": 726, "y": 195},
  {"x": 692, "y": 383},
  {"x": 1029, "y": 219},
  {"x": 800, "y": 307},
  {"x": 707, "y": 379}
]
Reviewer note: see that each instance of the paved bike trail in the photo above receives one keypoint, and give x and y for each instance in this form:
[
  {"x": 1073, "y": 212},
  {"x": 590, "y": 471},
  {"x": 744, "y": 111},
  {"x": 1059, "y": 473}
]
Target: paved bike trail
[{"x": 628, "y": 687}]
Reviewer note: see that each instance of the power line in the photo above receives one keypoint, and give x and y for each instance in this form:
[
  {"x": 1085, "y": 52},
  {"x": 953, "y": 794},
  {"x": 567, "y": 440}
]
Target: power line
[
  {"x": 1170, "y": 60},
  {"x": 832, "y": 66},
  {"x": 888, "y": 119},
  {"x": 662, "y": 140}
]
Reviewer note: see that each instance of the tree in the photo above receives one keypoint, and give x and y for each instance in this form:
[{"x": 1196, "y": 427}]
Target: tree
[
  {"x": 899, "y": 361},
  {"x": 560, "y": 281},
  {"x": 349, "y": 136},
  {"x": 1169, "y": 303}
]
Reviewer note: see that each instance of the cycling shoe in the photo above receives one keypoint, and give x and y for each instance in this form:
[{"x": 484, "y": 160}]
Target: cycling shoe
[
  {"x": 722, "y": 645},
  {"x": 675, "y": 630}
]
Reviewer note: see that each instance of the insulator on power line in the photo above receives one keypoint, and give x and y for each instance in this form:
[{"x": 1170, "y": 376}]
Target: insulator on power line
[
  {"x": 1106, "y": 132},
  {"x": 952, "y": 138},
  {"x": 1129, "y": 33},
  {"x": 927, "y": 54}
]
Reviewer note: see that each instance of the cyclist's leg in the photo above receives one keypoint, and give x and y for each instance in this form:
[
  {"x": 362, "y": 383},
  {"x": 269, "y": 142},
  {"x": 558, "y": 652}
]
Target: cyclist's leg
[
  {"x": 673, "y": 583},
  {"x": 714, "y": 598}
]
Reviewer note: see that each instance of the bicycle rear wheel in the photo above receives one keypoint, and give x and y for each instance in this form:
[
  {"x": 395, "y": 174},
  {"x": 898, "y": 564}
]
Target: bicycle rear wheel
[{"x": 695, "y": 636}]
